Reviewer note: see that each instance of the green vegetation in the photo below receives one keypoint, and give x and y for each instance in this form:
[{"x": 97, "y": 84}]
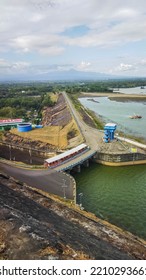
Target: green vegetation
[
  {"x": 103, "y": 86},
  {"x": 88, "y": 116},
  {"x": 24, "y": 101},
  {"x": 97, "y": 120}
]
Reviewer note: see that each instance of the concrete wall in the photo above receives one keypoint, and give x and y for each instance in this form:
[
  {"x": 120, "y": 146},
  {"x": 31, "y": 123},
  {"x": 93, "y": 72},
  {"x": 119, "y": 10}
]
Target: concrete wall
[
  {"x": 120, "y": 159},
  {"x": 36, "y": 151}
]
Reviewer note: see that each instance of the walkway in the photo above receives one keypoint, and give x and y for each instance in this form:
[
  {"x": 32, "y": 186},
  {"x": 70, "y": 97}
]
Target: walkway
[{"x": 137, "y": 144}]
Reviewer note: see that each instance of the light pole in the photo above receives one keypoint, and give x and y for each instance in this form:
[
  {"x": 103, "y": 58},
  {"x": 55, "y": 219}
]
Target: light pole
[
  {"x": 80, "y": 197},
  {"x": 64, "y": 186},
  {"x": 30, "y": 153},
  {"x": 10, "y": 152}
]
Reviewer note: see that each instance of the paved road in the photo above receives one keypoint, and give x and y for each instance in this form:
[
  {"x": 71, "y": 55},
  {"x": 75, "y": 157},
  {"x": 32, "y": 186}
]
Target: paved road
[
  {"x": 46, "y": 180},
  {"x": 91, "y": 135}
]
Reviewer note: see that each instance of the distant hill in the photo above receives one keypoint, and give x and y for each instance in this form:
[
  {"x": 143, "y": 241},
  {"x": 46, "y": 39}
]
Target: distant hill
[
  {"x": 73, "y": 75},
  {"x": 70, "y": 75}
]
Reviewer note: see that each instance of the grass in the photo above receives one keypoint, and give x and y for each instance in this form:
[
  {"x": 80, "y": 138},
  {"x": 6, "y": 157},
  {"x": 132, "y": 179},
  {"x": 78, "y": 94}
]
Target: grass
[
  {"x": 96, "y": 121},
  {"x": 53, "y": 97}
]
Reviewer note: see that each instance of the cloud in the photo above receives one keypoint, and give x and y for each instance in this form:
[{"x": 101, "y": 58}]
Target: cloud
[
  {"x": 3, "y": 64},
  {"x": 25, "y": 67},
  {"x": 125, "y": 67},
  {"x": 136, "y": 68},
  {"x": 49, "y": 44},
  {"x": 108, "y": 23},
  {"x": 14, "y": 67},
  {"x": 83, "y": 66},
  {"x": 34, "y": 29}
]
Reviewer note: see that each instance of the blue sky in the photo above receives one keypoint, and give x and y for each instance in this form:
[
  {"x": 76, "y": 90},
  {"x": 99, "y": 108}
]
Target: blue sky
[{"x": 40, "y": 36}]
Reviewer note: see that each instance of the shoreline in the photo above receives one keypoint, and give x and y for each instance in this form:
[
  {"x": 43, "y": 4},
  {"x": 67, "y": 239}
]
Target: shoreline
[
  {"x": 115, "y": 96},
  {"x": 119, "y": 97}
]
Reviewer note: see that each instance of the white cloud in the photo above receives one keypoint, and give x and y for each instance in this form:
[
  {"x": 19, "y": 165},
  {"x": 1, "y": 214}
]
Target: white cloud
[
  {"x": 125, "y": 67},
  {"x": 13, "y": 67},
  {"x": 83, "y": 66},
  {"x": 48, "y": 44},
  {"x": 20, "y": 66},
  {"x": 110, "y": 23},
  {"x": 138, "y": 66},
  {"x": 29, "y": 27}
]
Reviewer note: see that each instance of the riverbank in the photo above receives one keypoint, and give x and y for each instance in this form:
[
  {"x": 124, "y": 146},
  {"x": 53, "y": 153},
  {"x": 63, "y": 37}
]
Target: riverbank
[
  {"x": 112, "y": 109},
  {"x": 65, "y": 232},
  {"x": 115, "y": 96}
]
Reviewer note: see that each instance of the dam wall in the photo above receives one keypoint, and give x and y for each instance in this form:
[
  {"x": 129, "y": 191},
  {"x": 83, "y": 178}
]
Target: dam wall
[{"x": 120, "y": 159}]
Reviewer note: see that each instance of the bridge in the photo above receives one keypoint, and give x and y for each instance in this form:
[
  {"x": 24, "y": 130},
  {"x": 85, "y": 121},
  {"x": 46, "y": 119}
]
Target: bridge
[{"x": 77, "y": 161}]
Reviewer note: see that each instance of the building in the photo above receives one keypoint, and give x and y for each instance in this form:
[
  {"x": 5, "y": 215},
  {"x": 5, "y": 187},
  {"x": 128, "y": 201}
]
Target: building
[{"x": 9, "y": 123}]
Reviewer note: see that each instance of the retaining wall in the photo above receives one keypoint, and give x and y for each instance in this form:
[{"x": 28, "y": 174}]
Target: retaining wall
[{"x": 120, "y": 159}]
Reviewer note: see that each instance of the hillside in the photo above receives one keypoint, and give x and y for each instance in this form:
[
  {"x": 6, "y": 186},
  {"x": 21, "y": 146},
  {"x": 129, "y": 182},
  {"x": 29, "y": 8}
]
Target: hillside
[
  {"x": 59, "y": 130},
  {"x": 34, "y": 226}
]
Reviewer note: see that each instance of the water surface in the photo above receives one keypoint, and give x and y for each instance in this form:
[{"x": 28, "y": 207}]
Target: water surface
[
  {"x": 119, "y": 113},
  {"x": 116, "y": 194}
]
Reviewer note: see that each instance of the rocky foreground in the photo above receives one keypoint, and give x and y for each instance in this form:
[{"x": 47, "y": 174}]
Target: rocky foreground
[{"x": 34, "y": 226}]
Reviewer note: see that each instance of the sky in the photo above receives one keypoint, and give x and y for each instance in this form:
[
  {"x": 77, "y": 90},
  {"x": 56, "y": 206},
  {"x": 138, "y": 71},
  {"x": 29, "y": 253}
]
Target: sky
[{"x": 42, "y": 36}]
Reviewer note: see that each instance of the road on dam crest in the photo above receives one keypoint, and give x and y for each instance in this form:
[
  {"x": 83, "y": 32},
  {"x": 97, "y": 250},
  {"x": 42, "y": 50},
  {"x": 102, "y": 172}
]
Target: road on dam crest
[{"x": 46, "y": 180}]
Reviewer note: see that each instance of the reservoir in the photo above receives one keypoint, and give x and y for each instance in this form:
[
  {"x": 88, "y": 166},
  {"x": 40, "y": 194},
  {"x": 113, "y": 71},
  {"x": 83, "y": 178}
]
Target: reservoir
[
  {"x": 116, "y": 194},
  {"x": 119, "y": 113}
]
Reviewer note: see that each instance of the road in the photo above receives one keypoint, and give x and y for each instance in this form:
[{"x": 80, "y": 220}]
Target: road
[
  {"x": 46, "y": 180},
  {"x": 90, "y": 135}
]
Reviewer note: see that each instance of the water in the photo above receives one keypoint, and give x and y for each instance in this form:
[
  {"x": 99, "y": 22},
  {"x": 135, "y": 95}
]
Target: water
[
  {"x": 116, "y": 194},
  {"x": 134, "y": 90},
  {"x": 119, "y": 112}
]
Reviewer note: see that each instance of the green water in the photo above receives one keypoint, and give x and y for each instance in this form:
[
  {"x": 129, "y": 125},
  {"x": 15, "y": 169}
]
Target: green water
[{"x": 116, "y": 194}]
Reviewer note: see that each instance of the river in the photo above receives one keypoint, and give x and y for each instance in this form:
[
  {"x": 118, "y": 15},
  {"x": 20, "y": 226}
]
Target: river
[{"x": 116, "y": 194}]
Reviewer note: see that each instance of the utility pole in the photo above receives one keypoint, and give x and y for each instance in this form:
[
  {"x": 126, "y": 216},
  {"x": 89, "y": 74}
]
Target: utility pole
[
  {"x": 10, "y": 147},
  {"x": 64, "y": 186},
  {"x": 30, "y": 154},
  {"x": 80, "y": 197}
]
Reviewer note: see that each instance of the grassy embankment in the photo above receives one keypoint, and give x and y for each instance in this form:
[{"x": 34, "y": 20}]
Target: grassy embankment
[{"x": 87, "y": 115}]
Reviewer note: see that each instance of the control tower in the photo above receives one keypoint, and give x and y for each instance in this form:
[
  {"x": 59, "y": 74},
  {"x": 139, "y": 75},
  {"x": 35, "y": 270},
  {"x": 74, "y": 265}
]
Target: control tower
[{"x": 109, "y": 131}]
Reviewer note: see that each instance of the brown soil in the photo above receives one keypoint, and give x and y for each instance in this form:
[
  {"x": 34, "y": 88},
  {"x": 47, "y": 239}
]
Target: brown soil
[{"x": 58, "y": 115}]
